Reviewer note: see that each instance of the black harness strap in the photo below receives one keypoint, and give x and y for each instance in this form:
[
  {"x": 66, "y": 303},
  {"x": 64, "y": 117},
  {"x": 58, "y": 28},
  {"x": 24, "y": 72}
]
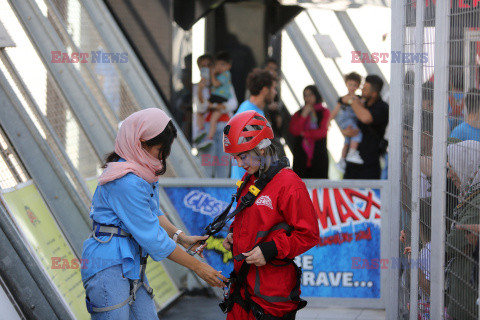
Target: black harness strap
[{"x": 246, "y": 201}]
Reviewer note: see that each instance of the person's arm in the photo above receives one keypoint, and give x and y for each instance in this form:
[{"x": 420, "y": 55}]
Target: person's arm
[
  {"x": 232, "y": 103},
  {"x": 214, "y": 78},
  {"x": 321, "y": 132},
  {"x": 362, "y": 113},
  {"x": 203, "y": 270},
  {"x": 297, "y": 123},
  {"x": 335, "y": 111}
]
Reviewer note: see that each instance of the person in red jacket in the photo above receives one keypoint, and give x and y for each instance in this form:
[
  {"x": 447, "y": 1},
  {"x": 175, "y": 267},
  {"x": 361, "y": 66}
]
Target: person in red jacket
[
  {"x": 309, "y": 127},
  {"x": 266, "y": 236}
]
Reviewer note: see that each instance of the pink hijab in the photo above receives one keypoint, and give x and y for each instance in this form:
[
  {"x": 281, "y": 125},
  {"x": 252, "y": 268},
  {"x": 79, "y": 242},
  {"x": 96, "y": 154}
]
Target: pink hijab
[{"x": 145, "y": 124}]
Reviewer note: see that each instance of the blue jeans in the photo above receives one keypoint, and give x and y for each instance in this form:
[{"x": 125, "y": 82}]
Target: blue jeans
[
  {"x": 347, "y": 118},
  {"x": 108, "y": 287},
  {"x": 216, "y": 162}
]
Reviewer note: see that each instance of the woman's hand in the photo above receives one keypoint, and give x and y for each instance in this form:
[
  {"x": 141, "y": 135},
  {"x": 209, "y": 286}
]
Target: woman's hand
[
  {"x": 307, "y": 110},
  {"x": 187, "y": 241},
  {"x": 403, "y": 237},
  {"x": 255, "y": 257},
  {"x": 228, "y": 242},
  {"x": 210, "y": 275}
]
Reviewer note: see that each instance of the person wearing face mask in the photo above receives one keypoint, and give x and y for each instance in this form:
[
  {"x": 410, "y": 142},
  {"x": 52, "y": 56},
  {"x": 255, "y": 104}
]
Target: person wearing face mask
[
  {"x": 128, "y": 224},
  {"x": 269, "y": 233}
]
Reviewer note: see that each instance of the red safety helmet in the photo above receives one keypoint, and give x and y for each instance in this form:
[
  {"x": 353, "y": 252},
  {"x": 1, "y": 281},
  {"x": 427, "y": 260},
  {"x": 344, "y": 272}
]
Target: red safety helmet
[{"x": 235, "y": 133}]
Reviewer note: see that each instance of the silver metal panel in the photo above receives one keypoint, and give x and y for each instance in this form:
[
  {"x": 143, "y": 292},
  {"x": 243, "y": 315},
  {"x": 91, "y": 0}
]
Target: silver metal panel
[
  {"x": 440, "y": 100},
  {"x": 394, "y": 157},
  {"x": 43, "y": 167},
  {"x": 417, "y": 121},
  {"x": 83, "y": 104},
  {"x": 5, "y": 39}
]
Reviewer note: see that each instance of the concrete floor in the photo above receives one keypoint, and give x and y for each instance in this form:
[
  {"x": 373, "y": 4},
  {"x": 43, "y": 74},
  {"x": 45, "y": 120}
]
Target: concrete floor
[{"x": 204, "y": 308}]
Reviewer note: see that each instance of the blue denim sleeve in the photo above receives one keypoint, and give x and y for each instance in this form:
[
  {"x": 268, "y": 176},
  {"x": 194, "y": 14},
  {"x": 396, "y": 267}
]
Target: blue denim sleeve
[{"x": 129, "y": 198}]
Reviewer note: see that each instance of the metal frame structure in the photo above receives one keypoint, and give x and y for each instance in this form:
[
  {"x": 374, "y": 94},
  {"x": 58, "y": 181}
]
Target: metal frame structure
[
  {"x": 437, "y": 275},
  {"x": 43, "y": 167},
  {"x": 394, "y": 154}
]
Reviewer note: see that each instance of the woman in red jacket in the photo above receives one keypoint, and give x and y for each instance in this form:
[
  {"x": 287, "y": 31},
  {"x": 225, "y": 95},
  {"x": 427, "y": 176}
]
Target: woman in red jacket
[
  {"x": 309, "y": 126},
  {"x": 280, "y": 225}
]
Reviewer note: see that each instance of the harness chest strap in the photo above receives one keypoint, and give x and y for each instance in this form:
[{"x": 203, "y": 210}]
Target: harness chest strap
[{"x": 114, "y": 231}]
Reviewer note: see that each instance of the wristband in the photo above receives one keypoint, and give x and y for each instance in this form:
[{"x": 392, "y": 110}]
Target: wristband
[{"x": 176, "y": 234}]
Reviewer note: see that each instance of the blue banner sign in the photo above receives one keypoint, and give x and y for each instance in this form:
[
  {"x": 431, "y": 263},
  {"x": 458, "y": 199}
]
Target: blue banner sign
[{"x": 346, "y": 262}]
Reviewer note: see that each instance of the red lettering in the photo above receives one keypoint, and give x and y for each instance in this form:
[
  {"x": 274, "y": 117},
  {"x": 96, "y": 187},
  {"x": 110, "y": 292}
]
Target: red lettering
[
  {"x": 343, "y": 208},
  {"x": 56, "y": 56},
  {"x": 75, "y": 57},
  {"x": 84, "y": 56},
  {"x": 75, "y": 264},
  {"x": 375, "y": 57},
  {"x": 327, "y": 212},
  {"x": 461, "y": 4},
  {"x": 355, "y": 262},
  {"x": 367, "y": 198},
  {"x": 65, "y": 58},
  {"x": 55, "y": 261},
  {"x": 65, "y": 264},
  {"x": 356, "y": 56},
  {"x": 384, "y": 56},
  {"x": 366, "y": 58},
  {"x": 375, "y": 264},
  {"x": 206, "y": 160},
  {"x": 83, "y": 263},
  {"x": 384, "y": 263}
]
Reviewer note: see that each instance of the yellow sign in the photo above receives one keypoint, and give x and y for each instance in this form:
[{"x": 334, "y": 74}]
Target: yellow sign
[{"x": 43, "y": 234}]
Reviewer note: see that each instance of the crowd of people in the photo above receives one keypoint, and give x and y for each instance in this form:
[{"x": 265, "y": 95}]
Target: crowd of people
[
  {"x": 461, "y": 207},
  {"x": 362, "y": 120}
]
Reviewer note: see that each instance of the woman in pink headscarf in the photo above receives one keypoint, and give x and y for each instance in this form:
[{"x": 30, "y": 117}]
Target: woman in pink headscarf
[{"x": 128, "y": 224}]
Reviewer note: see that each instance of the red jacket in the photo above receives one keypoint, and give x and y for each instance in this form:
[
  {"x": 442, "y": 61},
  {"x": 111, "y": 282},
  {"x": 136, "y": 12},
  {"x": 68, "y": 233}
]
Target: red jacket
[{"x": 284, "y": 201}]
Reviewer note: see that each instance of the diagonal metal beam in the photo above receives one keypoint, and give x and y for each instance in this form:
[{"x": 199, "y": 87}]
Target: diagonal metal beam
[
  {"x": 314, "y": 67},
  {"x": 359, "y": 45},
  {"x": 83, "y": 104},
  {"x": 42, "y": 165}
]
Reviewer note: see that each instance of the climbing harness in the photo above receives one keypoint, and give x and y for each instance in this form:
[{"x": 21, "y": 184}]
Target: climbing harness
[
  {"x": 114, "y": 231},
  {"x": 246, "y": 201}
]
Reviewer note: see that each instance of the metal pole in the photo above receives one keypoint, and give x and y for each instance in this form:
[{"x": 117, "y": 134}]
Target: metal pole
[
  {"x": 417, "y": 132},
  {"x": 440, "y": 117},
  {"x": 395, "y": 155}
]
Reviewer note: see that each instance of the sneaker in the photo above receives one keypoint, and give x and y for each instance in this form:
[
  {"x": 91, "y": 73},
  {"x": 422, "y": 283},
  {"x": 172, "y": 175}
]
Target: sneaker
[
  {"x": 199, "y": 137},
  {"x": 353, "y": 156},
  {"x": 341, "y": 165},
  {"x": 205, "y": 145}
]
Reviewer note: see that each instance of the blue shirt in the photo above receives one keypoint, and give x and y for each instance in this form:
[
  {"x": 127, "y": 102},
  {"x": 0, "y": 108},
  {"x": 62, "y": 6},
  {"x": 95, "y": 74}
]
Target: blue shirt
[
  {"x": 464, "y": 131},
  {"x": 224, "y": 89},
  {"x": 237, "y": 172},
  {"x": 132, "y": 204}
]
